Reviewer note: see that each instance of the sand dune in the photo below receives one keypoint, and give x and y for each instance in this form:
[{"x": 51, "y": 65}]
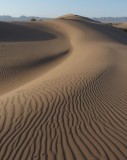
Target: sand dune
[
  {"x": 75, "y": 17},
  {"x": 25, "y": 50},
  {"x": 122, "y": 26},
  {"x": 63, "y": 90}
]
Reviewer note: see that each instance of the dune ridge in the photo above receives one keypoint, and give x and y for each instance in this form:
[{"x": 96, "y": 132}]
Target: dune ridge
[
  {"x": 24, "y": 56},
  {"x": 77, "y": 107}
]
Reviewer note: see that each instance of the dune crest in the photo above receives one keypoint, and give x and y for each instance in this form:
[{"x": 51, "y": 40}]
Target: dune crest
[
  {"x": 75, "y": 17},
  {"x": 71, "y": 107}
]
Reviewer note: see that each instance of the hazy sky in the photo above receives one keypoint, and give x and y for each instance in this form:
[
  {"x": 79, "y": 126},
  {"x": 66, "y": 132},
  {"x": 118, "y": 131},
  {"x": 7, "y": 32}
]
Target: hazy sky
[{"x": 54, "y": 8}]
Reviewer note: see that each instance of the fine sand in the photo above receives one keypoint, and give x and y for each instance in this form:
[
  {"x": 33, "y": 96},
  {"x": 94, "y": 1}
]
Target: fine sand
[{"x": 63, "y": 90}]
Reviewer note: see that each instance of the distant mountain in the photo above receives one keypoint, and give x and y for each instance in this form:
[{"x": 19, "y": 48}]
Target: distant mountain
[
  {"x": 8, "y": 18},
  {"x": 111, "y": 19}
]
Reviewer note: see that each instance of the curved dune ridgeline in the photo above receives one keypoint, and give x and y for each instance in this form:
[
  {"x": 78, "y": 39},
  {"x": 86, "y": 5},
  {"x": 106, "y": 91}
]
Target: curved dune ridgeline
[
  {"x": 26, "y": 51},
  {"x": 64, "y": 97}
]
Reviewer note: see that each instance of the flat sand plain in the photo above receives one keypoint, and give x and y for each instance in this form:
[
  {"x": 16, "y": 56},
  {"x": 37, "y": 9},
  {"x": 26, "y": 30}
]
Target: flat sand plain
[{"x": 63, "y": 90}]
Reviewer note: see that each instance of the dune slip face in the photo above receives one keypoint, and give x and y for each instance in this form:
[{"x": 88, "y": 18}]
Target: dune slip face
[{"x": 63, "y": 90}]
